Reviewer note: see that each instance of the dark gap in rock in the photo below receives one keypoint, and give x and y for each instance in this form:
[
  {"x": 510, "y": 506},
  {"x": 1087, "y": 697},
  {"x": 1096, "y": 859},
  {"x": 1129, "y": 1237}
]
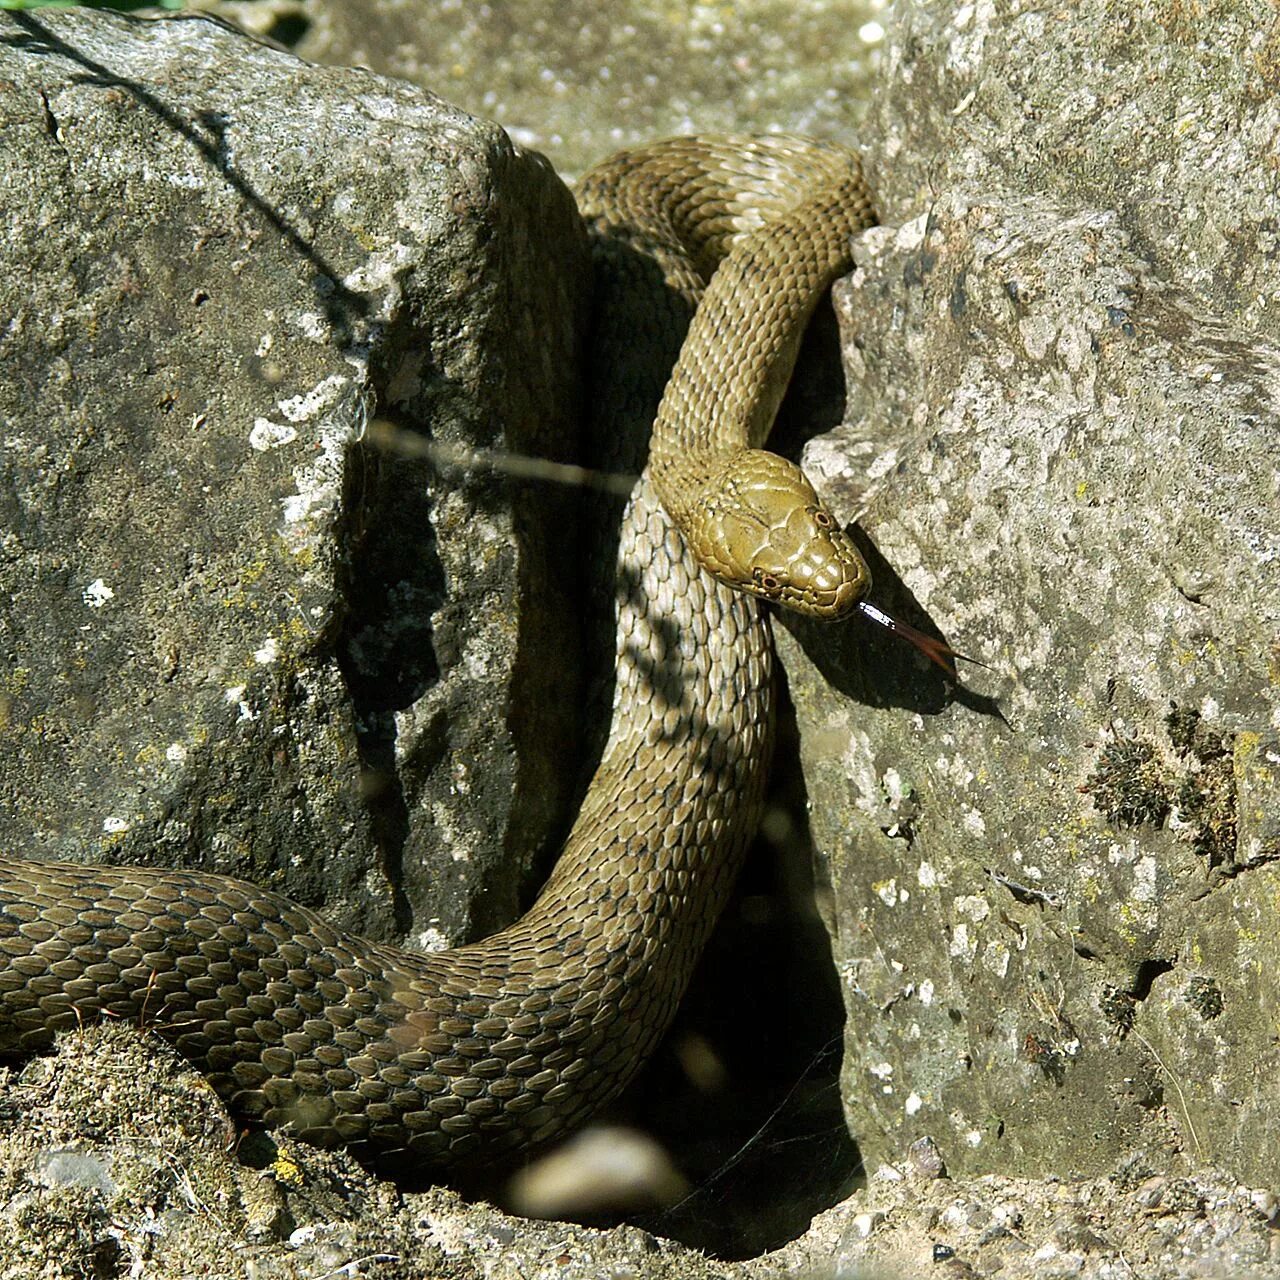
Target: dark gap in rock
[
  {"x": 1148, "y": 971},
  {"x": 289, "y": 29},
  {"x": 391, "y": 580},
  {"x": 769, "y": 1148},
  {"x": 556, "y": 737},
  {"x": 744, "y": 1091}
]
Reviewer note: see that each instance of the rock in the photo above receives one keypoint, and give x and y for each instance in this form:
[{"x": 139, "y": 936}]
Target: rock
[
  {"x": 182, "y": 1193},
  {"x": 1029, "y": 1228},
  {"x": 602, "y": 1172},
  {"x": 578, "y": 81},
  {"x": 1055, "y": 944},
  {"x": 1162, "y": 114},
  {"x": 175, "y": 1201},
  {"x": 925, "y": 1160},
  {"x": 238, "y": 632}
]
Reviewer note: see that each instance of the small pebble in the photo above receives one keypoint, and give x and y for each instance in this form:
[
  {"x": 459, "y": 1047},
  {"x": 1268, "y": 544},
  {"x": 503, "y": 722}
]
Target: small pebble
[
  {"x": 603, "y": 1169},
  {"x": 926, "y": 1160}
]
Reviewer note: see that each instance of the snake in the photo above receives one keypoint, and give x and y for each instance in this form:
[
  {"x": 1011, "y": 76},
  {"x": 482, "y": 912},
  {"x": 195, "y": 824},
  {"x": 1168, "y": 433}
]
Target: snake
[{"x": 444, "y": 1059}]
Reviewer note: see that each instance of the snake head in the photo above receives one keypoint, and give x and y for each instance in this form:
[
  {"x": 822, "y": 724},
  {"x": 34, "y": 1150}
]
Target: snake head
[{"x": 759, "y": 526}]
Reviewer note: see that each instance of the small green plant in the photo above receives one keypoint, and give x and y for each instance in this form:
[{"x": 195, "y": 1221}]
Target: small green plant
[
  {"x": 1204, "y": 997},
  {"x": 1128, "y": 784},
  {"x": 121, "y": 6}
]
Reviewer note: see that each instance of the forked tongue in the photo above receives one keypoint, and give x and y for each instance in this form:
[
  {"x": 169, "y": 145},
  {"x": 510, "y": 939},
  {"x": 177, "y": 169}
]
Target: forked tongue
[{"x": 934, "y": 649}]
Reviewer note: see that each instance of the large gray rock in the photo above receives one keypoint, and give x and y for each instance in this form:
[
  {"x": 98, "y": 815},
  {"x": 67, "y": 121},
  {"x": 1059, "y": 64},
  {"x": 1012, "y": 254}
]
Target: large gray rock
[
  {"x": 236, "y": 631},
  {"x": 1163, "y": 112},
  {"x": 1056, "y": 892}
]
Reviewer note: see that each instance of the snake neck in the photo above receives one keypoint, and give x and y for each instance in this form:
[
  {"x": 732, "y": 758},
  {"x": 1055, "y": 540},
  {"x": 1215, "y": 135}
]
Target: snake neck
[
  {"x": 676, "y": 797},
  {"x": 766, "y": 288}
]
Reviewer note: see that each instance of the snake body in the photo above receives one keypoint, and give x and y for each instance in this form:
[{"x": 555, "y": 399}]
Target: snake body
[{"x": 470, "y": 1053}]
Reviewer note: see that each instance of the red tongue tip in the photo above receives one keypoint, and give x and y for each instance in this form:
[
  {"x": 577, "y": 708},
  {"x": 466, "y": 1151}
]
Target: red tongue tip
[{"x": 935, "y": 650}]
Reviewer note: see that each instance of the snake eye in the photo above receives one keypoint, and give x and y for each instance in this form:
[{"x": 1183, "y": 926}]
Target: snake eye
[
  {"x": 766, "y": 581},
  {"x": 822, "y": 519}
]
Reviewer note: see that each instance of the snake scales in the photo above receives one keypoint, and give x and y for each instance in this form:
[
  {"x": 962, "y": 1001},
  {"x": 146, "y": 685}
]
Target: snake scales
[{"x": 466, "y": 1054}]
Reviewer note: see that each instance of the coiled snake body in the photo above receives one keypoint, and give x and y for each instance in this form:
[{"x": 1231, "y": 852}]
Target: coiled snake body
[{"x": 472, "y": 1052}]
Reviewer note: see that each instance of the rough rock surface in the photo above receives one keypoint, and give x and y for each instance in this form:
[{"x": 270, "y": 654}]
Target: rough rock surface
[
  {"x": 134, "y": 1157},
  {"x": 234, "y": 634},
  {"x": 116, "y": 1160},
  {"x": 1056, "y": 891},
  {"x": 577, "y": 80}
]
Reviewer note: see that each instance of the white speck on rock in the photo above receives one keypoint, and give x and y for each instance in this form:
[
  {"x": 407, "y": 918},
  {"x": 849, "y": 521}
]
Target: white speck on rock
[
  {"x": 431, "y": 939},
  {"x": 1144, "y": 879},
  {"x": 96, "y": 594},
  {"x": 381, "y": 272},
  {"x": 176, "y": 753},
  {"x": 113, "y": 826},
  {"x": 1075, "y": 346},
  {"x": 962, "y": 947},
  {"x": 322, "y": 396},
  {"x": 1119, "y": 853},
  {"x": 477, "y": 658},
  {"x": 910, "y": 235},
  {"x": 320, "y": 481},
  {"x": 266, "y": 435},
  {"x": 311, "y": 324},
  {"x": 925, "y": 991},
  {"x": 996, "y": 959},
  {"x": 882, "y": 465},
  {"x": 865, "y": 1223},
  {"x": 1037, "y": 333},
  {"x": 887, "y": 892},
  {"x": 269, "y": 652},
  {"x": 973, "y": 905},
  {"x": 913, "y": 1104}
]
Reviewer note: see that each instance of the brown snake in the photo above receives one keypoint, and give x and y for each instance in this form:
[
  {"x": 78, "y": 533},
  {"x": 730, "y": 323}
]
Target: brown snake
[{"x": 472, "y": 1052}]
